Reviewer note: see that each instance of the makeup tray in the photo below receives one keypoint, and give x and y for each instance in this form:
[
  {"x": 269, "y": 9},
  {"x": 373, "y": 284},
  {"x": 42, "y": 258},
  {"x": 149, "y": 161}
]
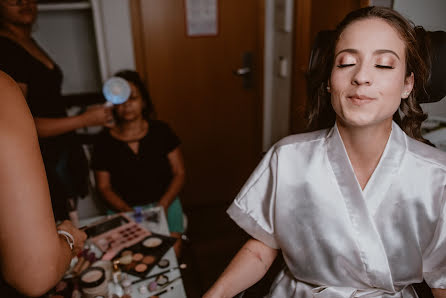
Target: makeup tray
[
  {"x": 115, "y": 233},
  {"x": 145, "y": 254}
]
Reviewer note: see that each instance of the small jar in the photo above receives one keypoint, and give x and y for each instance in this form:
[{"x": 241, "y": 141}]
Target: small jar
[{"x": 93, "y": 282}]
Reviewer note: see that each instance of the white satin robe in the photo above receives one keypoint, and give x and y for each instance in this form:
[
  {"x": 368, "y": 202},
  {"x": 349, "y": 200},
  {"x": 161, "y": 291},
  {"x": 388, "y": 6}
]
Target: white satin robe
[{"x": 341, "y": 241}]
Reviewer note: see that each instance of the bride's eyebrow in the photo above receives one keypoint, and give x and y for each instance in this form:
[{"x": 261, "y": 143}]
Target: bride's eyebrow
[
  {"x": 376, "y": 52},
  {"x": 383, "y": 51},
  {"x": 352, "y": 51}
]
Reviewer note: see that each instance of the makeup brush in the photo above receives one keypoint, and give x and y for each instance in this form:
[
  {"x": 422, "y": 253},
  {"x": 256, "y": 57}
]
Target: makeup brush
[{"x": 182, "y": 266}]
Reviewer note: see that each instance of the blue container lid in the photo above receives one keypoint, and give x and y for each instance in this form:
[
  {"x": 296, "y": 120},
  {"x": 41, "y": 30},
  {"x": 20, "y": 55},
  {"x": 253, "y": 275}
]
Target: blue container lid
[{"x": 116, "y": 90}]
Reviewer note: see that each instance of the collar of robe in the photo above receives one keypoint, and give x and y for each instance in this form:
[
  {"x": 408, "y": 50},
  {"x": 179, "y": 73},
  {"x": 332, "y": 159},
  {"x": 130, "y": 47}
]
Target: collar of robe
[{"x": 362, "y": 204}]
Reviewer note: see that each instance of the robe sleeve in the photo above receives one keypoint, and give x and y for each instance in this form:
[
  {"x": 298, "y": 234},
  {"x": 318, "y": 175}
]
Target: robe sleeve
[
  {"x": 253, "y": 208},
  {"x": 434, "y": 260}
]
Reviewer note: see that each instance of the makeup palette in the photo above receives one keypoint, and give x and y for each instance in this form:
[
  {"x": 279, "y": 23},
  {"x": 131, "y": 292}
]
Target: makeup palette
[
  {"x": 141, "y": 257},
  {"x": 115, "y": 234}
]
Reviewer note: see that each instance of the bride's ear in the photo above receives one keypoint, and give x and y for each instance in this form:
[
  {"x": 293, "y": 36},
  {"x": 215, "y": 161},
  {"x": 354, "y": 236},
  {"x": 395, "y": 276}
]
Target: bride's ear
[{"x": 408, "y": 86}]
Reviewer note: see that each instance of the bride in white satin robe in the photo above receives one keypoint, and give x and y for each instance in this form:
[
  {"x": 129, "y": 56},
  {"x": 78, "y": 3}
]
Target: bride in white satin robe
[
  {"x": 337, "y": 239},
  {"x": 357, "y": 210}
]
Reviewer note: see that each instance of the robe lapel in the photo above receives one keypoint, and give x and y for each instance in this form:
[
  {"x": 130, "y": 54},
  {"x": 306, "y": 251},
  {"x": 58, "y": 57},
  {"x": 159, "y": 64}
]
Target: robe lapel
[
  {"x": 371, "y": 249},
  {"x": 387, "y": 169}
]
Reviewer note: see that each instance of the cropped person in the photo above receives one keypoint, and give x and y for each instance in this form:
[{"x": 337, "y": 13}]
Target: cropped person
[
  {"x": 138, "y": 162},
  {"x": 40, "y": 79},
  {"x": 33, "y": 256},
  {"x": 357, "y": 209}
]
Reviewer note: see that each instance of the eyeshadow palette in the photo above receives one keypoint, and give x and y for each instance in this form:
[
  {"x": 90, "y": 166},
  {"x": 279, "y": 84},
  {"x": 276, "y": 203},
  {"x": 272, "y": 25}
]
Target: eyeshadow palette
[
  {"x": 140, "y": 258},
  {"x": 113, "y": 240}
]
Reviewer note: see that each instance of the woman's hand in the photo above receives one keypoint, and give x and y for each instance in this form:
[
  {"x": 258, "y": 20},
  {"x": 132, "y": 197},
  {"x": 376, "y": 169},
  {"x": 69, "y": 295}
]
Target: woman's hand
[
  {"x": 125, "y": 208},
  {"x": 78, "y": 235},
  {"x": 98, "y": 115}
]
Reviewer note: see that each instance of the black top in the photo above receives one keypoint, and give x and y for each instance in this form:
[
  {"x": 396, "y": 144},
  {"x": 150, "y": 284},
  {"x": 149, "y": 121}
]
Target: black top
[
  {"x": 61, "y": 154},
  {"x": 44, "y": 84},
  {"x": 138, "y": 178}
]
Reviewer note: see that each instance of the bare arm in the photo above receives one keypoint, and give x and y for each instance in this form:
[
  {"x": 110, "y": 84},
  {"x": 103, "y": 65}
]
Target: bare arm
[
  {"x": 97, "y": 115},
  {"x": 439, "y": 293},
  {"x": 247, "y": 267},
  {"x": 28, "y": 237},
  {"x": 177, "y": 165},
  {"x": 49, "y": 127},
  {"x": 105, "y": 189}
]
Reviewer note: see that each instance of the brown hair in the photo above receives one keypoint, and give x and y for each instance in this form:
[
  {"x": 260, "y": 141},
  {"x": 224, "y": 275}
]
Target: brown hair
[{"x": 320, "y": 113}]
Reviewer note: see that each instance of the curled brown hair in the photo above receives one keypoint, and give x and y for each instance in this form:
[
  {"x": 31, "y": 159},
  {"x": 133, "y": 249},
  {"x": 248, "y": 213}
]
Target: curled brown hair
[{"x": 320, "y": 113}]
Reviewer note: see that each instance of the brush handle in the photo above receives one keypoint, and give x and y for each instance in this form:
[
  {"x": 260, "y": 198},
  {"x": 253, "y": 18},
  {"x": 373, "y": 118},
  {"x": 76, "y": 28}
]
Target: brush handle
[{"x": 154, "y": 275}]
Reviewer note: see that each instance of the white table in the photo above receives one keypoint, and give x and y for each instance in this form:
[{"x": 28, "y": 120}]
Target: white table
[{"x": 159, "y": 227}]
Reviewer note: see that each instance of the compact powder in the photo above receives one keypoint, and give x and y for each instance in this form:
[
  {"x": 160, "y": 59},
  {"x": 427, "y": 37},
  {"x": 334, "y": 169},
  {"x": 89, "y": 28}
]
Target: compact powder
[
  {"x": 126, "y": 252},
  {"x": 125, "y": 260},
  {"x": 148, "y": 260},
  {"x": 152, "y": 242},
  {"x": 163, "y": 263},
  {"x": 140, "y": 267},
  {"x": 137, "y": 257},
  {"x": 92, "y": 276}
]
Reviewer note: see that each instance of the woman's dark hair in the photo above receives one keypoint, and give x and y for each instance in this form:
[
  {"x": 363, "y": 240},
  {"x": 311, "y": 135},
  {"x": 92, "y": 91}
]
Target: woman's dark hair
[
  {"x": 320, "y": 113},
  {"x": 133, "y": 77}
]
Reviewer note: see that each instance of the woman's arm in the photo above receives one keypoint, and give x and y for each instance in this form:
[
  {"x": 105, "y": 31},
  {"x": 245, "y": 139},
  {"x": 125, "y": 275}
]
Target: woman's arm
[
  {"x": 96, "y": 115},
  {"x": 439, "y": 293},
  {"x": 105, "y": 189},
  {"x": 247, "y": 267},
  {"x": 49, "y": 127},
  {"x": 33, "y": 257},
  {"x": 177, "y": 165}
]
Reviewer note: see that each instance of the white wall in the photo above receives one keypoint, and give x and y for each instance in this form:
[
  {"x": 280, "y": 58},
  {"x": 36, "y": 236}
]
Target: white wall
[
  {"x": 277, "y": 86},
  {"x": 114, "y": 35},
  {"x": 68, "y": 37},
  {"x": 89, "y": 44},
  {"x": 431, "y": 15}
]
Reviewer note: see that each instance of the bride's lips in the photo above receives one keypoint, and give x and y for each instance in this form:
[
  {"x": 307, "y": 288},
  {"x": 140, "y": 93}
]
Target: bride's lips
[{"x": 360, "y": 99}]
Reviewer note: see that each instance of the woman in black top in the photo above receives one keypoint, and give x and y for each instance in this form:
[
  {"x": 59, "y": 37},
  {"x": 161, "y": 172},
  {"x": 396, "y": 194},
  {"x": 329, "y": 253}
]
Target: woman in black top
[
  {"x": 40, "y": 81},
  {"x": 138, "y": 162}
]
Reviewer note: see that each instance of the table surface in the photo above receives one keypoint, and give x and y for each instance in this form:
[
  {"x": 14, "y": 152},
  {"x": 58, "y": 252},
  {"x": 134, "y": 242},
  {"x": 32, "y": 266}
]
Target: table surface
[{"x": 159, "y": 227}]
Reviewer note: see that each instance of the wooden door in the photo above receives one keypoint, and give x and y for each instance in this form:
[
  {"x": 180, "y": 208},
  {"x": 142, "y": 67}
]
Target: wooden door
[{"x": 194, "y": 89}]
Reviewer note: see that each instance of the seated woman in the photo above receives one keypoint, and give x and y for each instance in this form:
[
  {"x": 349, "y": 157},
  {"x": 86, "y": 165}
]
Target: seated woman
[
  {"x": 356, "y": 209},
  {"x": 138, "y": 162}
]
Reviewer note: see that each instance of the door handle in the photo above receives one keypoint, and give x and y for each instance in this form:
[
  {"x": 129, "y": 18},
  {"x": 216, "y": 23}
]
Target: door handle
[
  {"x": 246, "y": 70},
  {"x": 242, "y": 71}
]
